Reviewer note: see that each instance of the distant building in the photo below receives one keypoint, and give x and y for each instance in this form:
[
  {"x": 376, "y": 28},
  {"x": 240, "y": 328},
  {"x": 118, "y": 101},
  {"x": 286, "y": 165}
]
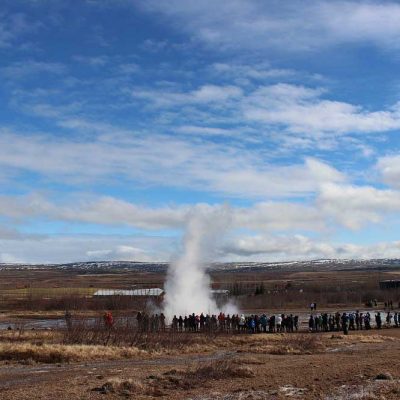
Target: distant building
[
  {"x": 219, "y": 292},
  {"x": 390, "y": 284},
  {"x": 145, "y": 292}
]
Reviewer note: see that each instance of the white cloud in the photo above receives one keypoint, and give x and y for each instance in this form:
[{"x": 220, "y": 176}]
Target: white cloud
[
  {"x": 273, "y": 226},
  {"x": 303, "y": 110},
  {"x": 389, "y": 168},
  {"x": 279, "y": 216},
  {"x": 203, "y": 95},
  {"x": 162, "y": 160},
  {"x": 120, "y": 252},
  {"x": 299, "y": 247},
  {"x": 265, "y": 216},
  {"x": 128, "y": 68},
  {"x": 30, "y": 67},
  {"x": 253, "y": 71},
  {"x": 295, "y": 25},
  {"x": 108, "y": 210},
  {"x": 61, "y": 248},
  {"x": 356, "y": 206},
  {"x": 280, "y": 247},
  {"x": 97, "y": 61},
  {"x": 204, "y": 131}
]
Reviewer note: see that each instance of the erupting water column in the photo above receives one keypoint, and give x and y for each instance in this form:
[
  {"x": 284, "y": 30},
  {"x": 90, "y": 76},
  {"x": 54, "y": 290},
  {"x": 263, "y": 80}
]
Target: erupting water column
[{"x": 188, "y": 286}]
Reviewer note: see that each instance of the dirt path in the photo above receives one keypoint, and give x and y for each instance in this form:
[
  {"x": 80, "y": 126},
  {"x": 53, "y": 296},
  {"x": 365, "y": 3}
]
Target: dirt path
[{"x": 17, "y": 376}]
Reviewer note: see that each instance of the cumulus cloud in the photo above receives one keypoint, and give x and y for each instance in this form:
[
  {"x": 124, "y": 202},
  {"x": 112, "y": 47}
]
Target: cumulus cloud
[
  {"x": 267, "y": 216},
  {"x": 299, "y": 247},
  {"x": 108, "y": 210},
  {"x": 348, "y": 205},
  {"x": 355, "y": 206},
  {"x": 64, "y": 248},
  {"x": 279, "y": 216},
  {"x": 263, "y": 231},
  {"x": 280, "y": 247}
]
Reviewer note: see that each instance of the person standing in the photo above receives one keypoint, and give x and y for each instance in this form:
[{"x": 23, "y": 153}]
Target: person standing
[
  {"x": 389, "y": 319},
  {"x": 180, "y": 323},
  {"x": 108, "y": 320},
  {"x": 296, "y": 322},
  {"x": 311, "y": 324},
  {"x": 345, "y": 320},
  {"x": 279, "y": 323},
  {"x": 378, "y": 320}
]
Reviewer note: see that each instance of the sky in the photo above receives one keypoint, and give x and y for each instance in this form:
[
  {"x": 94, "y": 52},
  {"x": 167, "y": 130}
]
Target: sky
[{"x": 122, "y": 119}]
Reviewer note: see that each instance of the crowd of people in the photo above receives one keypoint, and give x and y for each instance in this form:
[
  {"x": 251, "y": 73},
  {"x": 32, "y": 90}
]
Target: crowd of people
[
  {"x": 150, "y": 323},
  {"x": 349, "y": 321},
  {"x": 235, "y": 323}
]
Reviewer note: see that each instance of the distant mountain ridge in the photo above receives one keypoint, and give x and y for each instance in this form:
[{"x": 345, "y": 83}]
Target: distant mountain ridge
[{"x": 161, "y": 267}]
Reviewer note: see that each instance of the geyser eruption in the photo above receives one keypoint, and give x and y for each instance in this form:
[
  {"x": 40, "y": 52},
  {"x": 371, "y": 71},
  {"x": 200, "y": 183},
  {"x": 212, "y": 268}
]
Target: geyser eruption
[{"x": 188, "y": 286}]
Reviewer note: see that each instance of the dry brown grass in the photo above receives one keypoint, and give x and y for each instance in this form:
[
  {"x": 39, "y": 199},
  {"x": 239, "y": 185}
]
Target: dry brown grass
[
  {"x": 221, "y": 369},
  {"x": 172, "y": 380},
  {"x": 168, "y": 341},
  {"x": 122, "y": 387},
  {"x": 49, "y": 346},
  {"x": 59, "y": 353},
  {"x": 299, "y": 344},
  {"x": 279, "y": 344},
  {"x": 33, "y": 336},
  {"x": 200, "y": 374}
]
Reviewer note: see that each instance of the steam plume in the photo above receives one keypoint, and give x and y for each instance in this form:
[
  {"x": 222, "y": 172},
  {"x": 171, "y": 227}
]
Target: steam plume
[{"x": 188, "y": 285}]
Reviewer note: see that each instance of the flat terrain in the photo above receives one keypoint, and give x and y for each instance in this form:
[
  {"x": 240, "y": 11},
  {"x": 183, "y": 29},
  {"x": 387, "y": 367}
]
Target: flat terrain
[
  {"x": 39, "y": 361},
  {"x": 261, "y": 366}
]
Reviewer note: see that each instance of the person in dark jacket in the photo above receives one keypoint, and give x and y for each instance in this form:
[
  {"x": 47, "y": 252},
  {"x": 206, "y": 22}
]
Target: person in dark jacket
[
  {"x": 345, "y": 323},
  {"x": 311, "y": 324},
  {"x": 378, "y": 320}
]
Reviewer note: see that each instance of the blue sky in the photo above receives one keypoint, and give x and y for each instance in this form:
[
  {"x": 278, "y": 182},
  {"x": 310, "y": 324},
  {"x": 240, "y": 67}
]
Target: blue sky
[{"x": 121, "y": 120}]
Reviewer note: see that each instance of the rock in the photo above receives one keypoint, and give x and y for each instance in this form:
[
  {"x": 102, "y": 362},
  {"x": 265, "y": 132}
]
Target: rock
[
  {"x": 126, "y": 393},
  {"x": 106, "y": 388},
  {"x": 384, "y": 376}
]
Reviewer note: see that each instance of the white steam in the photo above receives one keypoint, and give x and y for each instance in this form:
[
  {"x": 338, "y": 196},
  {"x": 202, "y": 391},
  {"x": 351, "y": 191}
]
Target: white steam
[{"x": 188, "y": 286}]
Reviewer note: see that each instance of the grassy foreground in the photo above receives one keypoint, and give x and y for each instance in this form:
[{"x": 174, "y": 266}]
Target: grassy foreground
[{"x": 50, "y": 346}]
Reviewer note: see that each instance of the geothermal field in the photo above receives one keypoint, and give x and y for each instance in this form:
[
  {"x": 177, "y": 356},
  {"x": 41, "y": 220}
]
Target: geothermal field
[{"x": 55, "y": 341}]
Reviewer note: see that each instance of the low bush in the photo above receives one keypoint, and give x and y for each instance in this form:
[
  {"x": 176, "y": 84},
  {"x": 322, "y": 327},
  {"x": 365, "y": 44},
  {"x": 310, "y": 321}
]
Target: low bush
[{"x": 201, "y": 374}]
